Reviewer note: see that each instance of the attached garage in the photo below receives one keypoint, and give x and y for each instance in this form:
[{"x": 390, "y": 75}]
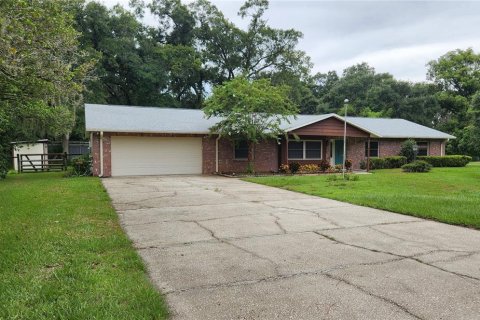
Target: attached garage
[{"x": 136, "y": 155}]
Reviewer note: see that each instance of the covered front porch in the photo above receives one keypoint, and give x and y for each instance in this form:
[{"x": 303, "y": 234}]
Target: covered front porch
[{"x": 324, "y": 141}]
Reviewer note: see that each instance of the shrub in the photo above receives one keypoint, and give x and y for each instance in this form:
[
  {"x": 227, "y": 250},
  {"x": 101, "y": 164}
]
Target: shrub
[
  {"x": 338, "y": 168},
  {"x": 447, "y": 161},
  {"x": 348, "y": 164},
  {"x": 324, "y": 165},
  {"x": 309, "y": 168},
  {"x": 407, "y": 150},
  {"x": 377, "y": 163},
  {"x": 294, "y": 166},
  {"x": 331, "y": 170},
  {"x": 417, "y": 166},
  {"x": 387, "y": 162},
  {"x": 394, "y": 162},
  {"x": 250, "y": 169},
  {"x": 363, "y": 164},
  {"x": 81, "y": 167},
  {"x": 284, "y": 168}
]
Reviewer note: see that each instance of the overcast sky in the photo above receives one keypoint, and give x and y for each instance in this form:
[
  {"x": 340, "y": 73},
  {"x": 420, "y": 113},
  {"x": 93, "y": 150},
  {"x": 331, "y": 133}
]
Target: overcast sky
[{"x": 398, "y": 37}]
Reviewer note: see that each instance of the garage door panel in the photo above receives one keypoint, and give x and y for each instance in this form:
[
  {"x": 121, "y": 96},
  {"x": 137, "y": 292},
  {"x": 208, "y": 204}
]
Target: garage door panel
[{"x": 156, "y": 156}]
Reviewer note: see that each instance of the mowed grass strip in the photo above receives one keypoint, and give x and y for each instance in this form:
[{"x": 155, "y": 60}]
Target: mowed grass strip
[
  {"x": 450, "y": 195},
  {"x": 63, "y": 254}
]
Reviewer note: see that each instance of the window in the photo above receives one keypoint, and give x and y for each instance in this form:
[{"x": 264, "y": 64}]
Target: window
[
  {"x": 373, "y": 149},
  {"x": 305, "y": 150},
  {"x": 313, "y": 149},
  {"x": 241, "y": 150},
  {"x": 295, "y": 150},
  {"x": 422, "y": 148}
]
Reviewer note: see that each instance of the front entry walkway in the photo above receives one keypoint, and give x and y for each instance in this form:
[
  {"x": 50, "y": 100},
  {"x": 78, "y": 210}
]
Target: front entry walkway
[{"x": 222, "y": 248}]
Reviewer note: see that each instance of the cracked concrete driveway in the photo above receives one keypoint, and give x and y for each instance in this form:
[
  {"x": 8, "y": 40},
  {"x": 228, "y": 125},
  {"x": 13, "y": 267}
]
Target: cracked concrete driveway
[{"x": 222, "y": 248}]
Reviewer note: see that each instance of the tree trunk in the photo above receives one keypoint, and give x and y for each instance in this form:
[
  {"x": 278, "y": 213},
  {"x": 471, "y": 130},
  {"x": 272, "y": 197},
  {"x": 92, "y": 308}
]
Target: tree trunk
[
  {"x": 65, "y": 141},
  {"x": 251, "y": 158}
]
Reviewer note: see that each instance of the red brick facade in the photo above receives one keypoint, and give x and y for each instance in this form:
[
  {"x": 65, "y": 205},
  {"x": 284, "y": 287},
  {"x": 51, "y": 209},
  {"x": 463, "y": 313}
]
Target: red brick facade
[
  {"x": 107, "y": 161},
  {"x": 265, "y": 156},
  {"x": 356, "y": 151},
  {"x": 268, "y": 155},
  {"x": 392, "y": 147}
]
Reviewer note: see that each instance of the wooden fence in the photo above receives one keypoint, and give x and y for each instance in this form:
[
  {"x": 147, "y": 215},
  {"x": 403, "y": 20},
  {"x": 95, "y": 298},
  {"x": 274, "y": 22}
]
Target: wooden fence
[{"x": 41, "y": 162}]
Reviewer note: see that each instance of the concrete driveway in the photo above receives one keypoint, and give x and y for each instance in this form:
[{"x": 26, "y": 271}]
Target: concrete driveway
[{"x": 222, "y": 248}]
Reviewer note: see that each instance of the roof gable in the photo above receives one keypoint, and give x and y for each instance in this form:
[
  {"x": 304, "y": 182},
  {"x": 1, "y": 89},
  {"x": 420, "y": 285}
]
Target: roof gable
[{"x": 332, "y": 127}]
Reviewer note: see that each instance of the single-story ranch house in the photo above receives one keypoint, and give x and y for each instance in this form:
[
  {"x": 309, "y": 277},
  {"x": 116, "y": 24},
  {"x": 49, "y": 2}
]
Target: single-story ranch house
[{"x": 154, "y": 141}]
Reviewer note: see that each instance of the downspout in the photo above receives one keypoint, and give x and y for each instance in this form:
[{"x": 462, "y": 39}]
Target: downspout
[
  {"x": 216, "y": 154},
  {"x": 101, "y": 154}
]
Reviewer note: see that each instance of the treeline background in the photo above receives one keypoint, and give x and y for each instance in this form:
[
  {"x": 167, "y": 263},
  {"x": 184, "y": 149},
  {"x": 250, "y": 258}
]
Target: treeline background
[{"x": 112, "y": 57}]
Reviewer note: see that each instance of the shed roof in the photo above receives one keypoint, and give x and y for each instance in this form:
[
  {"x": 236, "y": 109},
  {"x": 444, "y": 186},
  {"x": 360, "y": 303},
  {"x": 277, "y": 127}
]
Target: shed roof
[{"x": 113, "y": 118}]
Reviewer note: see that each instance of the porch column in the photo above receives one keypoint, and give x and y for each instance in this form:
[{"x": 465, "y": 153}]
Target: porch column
[{"x": 325, "y": 145}]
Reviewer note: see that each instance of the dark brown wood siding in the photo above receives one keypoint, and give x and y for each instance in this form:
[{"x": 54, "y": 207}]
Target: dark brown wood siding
[{"x": 330, "y": 127}]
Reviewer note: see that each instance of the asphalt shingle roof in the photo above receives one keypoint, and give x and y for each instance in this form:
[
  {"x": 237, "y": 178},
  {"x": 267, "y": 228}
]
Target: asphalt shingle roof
[{"x": 112, "y": 118}]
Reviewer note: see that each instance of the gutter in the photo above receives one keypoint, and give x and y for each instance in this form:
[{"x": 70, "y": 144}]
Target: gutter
[{"x": 101, "y": 154}]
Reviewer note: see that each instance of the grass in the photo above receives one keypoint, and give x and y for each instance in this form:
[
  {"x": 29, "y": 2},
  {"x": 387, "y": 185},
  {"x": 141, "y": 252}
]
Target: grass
[
  {"x": 63, "y": 254},
  {"x": 450, "y": 195}
]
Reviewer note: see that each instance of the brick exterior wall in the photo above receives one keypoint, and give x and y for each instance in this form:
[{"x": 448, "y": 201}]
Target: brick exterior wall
[
  {"x": 265, "y": 156},
  {"x": 356, "y": 151},
  {"x": 107, "y": 161},
  {"x": 95, "y": 152},
  {"x": 436, "y": 148},
  {"x": 392, "y": 147}
]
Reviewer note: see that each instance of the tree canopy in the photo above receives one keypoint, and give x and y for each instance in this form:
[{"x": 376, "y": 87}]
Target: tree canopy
[
  {"x": 55, "y": 54},
  {"x": 42, "y": 72},
  {"x": 249, "y": 110}
]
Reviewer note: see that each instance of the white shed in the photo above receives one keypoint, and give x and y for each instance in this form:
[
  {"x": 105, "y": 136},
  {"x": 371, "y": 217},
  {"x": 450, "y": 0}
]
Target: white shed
[{"x": 24, "y": 147}]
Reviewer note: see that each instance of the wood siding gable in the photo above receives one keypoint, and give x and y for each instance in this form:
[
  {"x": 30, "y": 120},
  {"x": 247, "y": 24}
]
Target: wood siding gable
[{"x": 330, "y": 127}]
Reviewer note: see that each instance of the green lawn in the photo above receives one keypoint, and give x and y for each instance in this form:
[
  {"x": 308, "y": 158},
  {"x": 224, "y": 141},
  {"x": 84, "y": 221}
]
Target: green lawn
[
  {"x": 63, "y": 254},
  {"x": 450, "y": 195}
]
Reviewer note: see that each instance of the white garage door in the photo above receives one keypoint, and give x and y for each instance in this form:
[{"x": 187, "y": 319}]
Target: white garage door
[{"x": 156, "y": 156}]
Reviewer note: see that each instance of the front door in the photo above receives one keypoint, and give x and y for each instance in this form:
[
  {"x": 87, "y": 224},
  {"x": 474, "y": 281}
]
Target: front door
[{"x": 338, "y": 155}]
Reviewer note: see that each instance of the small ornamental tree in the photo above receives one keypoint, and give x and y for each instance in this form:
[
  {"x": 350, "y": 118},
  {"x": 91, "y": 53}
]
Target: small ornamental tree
[
  {"x": 250, "y": 111},
  {"x": 407, "y": 150}
]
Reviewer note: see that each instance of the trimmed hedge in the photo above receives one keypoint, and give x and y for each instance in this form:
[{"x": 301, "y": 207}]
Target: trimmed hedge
[
  {"x": 447, "y": 161},
  {"x": 417, "y": 166},
  {"x": 387, "y": 162},
  {"x": 395, "y": 162},
  {"x": 377, "y": 163}
]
